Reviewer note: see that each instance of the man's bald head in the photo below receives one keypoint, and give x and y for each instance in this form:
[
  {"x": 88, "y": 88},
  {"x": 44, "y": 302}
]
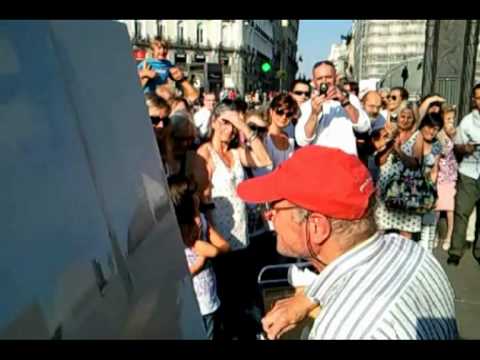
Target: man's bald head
[{"x": 372, "y": 103}]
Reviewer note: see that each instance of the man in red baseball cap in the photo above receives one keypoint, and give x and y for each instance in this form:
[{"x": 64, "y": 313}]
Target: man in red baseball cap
[
  {"x": 322, "y": 207},
  {"x": 324, "y": 186}
]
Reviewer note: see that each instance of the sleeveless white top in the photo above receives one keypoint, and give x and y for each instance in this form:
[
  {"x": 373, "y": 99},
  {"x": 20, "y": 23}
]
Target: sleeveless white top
[{"x": 230, "y": 213}]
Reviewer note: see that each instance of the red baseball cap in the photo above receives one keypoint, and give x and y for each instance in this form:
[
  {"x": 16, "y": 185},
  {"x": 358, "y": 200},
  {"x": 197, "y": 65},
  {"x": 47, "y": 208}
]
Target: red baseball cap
[{"x": 317, "y": 178}]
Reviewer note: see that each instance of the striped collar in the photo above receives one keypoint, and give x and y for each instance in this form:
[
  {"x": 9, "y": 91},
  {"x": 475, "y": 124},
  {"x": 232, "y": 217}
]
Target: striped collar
[{"x": 343, "y": 265}]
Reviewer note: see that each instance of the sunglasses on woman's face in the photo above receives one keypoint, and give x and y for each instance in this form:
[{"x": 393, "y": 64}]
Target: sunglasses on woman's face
[
  {"x": 304, "y": 93},
  {"x": 393, "y": 97},
  {"x": 281, "y": 112},
  {"x": 258, "y": 129}
]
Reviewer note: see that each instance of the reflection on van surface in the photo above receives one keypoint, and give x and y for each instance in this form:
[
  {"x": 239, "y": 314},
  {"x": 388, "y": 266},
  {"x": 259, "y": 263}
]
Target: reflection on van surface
[{"x": 90, "y": 246}]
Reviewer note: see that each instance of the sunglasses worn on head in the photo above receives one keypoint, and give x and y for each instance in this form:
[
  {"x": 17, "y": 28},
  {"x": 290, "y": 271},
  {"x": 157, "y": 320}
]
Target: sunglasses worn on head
[
  {"x": 281, "y": 112},
  {"x": 300, "y": 93}
]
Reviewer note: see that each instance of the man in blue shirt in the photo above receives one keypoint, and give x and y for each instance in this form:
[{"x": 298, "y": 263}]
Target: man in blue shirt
[{"x": 156, "y": 71}]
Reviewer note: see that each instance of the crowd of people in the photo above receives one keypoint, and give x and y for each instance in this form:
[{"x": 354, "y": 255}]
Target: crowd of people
[{"x": 316, "y": 173}]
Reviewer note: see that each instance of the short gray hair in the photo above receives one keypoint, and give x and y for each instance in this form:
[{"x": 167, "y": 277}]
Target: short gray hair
[{"x": 347, "y": 228}]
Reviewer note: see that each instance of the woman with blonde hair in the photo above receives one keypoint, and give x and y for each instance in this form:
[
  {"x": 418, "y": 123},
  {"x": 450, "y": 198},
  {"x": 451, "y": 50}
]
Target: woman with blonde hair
[
  {"x": 224, "y": 161},
  {"x": 401, "y": 147},
  {"x": 448, "y": 171}
]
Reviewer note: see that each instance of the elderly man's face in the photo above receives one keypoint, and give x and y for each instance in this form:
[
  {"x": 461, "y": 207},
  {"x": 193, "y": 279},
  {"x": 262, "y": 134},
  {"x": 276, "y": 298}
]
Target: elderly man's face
[
  {"x": 324, "y": 74},
  {"x": 384, "y": 96},
  {"x": 372, "y": 105},
  {"x": 290, "y": 233}
]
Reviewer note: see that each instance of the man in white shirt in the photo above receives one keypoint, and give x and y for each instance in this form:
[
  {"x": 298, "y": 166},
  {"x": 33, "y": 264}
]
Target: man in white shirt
[
  {"x": 467, "y": 144},
  {"x": 369, "y": 286},
  {"x": 202, "y": 116},
  {"x": 329, "y": 119}
]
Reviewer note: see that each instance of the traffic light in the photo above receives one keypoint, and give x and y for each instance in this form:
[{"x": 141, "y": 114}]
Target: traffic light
[{"x": 266, "y": 67}]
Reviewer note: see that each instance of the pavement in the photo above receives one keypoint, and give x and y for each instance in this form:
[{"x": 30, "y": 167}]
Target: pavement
[{"x": 465, "y": 279}]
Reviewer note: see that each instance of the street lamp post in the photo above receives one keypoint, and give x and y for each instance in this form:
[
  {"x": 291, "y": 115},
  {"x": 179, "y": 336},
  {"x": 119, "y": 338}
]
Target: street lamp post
[{"x": 249, "y": 54}]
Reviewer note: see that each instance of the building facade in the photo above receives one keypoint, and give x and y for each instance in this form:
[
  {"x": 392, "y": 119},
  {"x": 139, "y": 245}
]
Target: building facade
[
  {"x": 384, "y": 48},
  {"x": 285, "y": 64},
  {"x": 219, "y": 54},
  {"x": 380, "y": 45},
  {"x": 341, "y": 56}
]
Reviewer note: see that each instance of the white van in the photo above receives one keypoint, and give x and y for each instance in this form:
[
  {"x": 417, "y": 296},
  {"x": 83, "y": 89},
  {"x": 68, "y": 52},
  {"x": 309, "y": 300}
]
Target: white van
[{"x": 89, "y": 246}]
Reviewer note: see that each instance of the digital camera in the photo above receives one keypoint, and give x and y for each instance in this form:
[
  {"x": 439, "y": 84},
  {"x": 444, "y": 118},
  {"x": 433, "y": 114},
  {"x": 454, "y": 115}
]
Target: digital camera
[{"x": 323, "y": 88}]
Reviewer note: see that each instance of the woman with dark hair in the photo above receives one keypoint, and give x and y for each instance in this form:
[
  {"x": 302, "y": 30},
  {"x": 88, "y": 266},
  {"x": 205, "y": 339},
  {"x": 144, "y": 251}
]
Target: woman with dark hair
[
  {"x": 410, "y": 152},
  {"x": 179, "y": 157},
  {"x": 224, "y": 160},
  {"x": 280, "y": 145},
  {"x": 159, "y": 111},
  {"x": 202, "y": 243},
  {"x": 429, "y": 128}
]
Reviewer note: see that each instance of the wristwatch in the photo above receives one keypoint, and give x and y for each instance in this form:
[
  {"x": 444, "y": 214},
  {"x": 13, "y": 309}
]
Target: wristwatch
[{"x": 345, "y": 103}]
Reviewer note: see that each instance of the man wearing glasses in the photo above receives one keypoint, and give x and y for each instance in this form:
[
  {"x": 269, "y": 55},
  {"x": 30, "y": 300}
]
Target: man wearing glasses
[
  {"x": 370, "y": 285},
  {"x": 331, "y": 115}
]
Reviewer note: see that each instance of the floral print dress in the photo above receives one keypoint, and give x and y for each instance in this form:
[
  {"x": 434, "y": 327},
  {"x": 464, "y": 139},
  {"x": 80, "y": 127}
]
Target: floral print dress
[{"x": 388, "y": 219}]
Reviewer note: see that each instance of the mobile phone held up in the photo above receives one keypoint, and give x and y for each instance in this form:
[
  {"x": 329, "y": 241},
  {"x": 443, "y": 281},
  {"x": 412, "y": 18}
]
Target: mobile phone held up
[{"x": 323, "y": 89}]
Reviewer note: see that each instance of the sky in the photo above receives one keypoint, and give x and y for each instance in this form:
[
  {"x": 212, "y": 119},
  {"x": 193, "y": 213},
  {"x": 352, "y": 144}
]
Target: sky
[{"x": 315, "y": 38}]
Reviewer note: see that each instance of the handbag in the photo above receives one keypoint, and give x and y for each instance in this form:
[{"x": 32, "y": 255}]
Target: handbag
[{"x": 410, "y": 191}]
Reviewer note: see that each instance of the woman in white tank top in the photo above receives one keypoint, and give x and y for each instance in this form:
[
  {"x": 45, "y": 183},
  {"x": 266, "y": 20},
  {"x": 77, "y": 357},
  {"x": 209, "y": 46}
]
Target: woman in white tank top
[
  {"x": 224, "y": 168},
  {"x": 224, "y": 171}
]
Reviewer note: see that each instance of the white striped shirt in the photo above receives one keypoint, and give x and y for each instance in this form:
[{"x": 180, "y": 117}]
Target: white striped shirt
[{"x": 386, "y": 288}]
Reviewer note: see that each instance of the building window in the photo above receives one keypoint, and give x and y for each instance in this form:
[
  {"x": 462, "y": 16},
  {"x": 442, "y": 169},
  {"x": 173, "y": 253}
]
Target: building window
[
  {"x": 160, "y": 30},
  {"x": 200, "y": 33},
  {"x": 180, "y": 37}
]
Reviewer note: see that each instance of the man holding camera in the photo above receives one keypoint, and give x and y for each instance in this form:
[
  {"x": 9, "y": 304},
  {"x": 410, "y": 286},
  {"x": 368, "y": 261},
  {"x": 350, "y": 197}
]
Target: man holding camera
[{"x": 331, "y": 115}]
